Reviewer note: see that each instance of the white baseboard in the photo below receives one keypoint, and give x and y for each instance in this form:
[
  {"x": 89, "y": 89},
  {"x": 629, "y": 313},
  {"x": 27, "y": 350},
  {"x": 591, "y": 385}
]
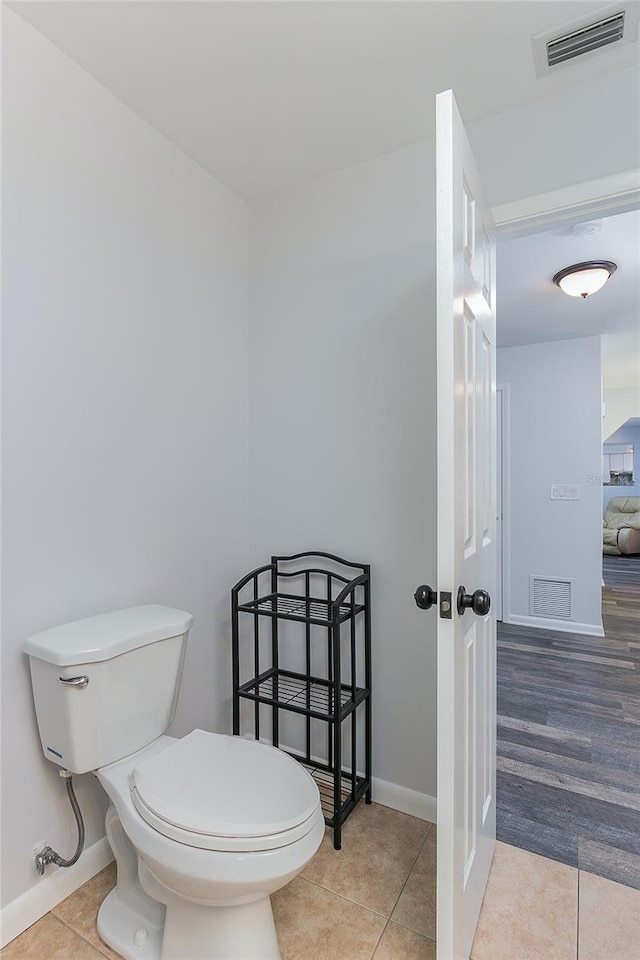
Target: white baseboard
[
  {"x": 53, "y": 888},
  {"x": 392, "y": 795},
  {"x": 404, "y": 799},
  {"x": 563, "y": 626}
]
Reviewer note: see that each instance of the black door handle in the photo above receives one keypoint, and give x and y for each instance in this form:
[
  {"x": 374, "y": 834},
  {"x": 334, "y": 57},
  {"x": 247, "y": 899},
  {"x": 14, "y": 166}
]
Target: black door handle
[
  {"x": 479, "y": 601},
  {"x": 425, "y": 597}
]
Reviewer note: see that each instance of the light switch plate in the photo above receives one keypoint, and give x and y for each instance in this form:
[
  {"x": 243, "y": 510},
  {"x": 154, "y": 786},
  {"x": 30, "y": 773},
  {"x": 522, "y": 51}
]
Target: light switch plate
[{"x": 564, "y": 491}]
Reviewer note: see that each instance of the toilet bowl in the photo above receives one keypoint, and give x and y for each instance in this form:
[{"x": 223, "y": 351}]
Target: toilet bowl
[
  {"x": 203, "y": 828},
  {"x": 213, "y": 822}
]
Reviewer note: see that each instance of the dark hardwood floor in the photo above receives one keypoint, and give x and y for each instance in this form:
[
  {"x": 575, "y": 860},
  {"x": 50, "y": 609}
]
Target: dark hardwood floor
[{"x": 569, "y": 736}]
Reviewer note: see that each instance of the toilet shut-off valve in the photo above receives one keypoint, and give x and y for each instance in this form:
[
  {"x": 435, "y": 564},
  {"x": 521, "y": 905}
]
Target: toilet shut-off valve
[{"x": 48, "y": 855}]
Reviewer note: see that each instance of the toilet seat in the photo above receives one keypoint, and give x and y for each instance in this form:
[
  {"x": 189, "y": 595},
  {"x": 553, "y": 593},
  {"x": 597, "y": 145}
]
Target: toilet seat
[{"x": 225, "y": 793}]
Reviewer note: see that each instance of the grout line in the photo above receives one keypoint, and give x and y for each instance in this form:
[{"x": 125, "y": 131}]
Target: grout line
[
  {"x": 424, "y": 936},
  {"x": 377, "y": 943},
  {"x": 401, "y": 891},
  {"x": 420, "y": 849},
  {"x": 81, "y": 935},
  {"x": 370, "y": 909},
  {"x": 341, "y": 896}
]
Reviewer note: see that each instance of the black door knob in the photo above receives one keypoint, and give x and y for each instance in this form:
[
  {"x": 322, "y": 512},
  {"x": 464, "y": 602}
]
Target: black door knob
[
  {"x": 479, "y": 601},
  {"x": 425, "y": 597}
]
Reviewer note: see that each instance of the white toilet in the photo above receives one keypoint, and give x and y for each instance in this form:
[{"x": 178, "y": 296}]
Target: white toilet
[{"x": 204, "y": 828}]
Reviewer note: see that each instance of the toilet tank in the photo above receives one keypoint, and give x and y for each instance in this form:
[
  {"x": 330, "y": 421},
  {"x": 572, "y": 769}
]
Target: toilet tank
[{"x": 107, "y": 686}]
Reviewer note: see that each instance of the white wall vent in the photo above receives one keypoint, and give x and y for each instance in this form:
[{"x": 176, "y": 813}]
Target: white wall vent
[
  {"x": 550, "y": 597},
  {"x": 588, "y": 35}
]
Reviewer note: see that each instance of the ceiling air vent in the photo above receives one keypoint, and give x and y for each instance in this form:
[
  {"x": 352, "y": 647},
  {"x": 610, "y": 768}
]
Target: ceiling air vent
[
  {"x": 549, "y": 597},
  {"x": 588, "y": 35},
  {"x": 593, "y": 37}
]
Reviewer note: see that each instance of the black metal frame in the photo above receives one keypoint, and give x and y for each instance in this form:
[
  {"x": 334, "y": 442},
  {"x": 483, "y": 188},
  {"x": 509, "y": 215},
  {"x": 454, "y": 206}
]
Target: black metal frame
[{"x": 325, "y": 698}]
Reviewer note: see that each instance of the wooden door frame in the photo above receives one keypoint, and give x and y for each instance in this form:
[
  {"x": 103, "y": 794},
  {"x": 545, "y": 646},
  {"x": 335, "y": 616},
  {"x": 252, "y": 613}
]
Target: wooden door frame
[{"x": 604, "y": 197}]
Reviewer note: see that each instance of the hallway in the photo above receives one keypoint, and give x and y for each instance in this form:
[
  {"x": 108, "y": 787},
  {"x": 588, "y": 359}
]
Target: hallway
[{"x": 569, "y": 736}]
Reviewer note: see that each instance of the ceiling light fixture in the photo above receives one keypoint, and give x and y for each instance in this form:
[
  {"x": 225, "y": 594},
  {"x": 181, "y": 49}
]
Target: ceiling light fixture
[{"x": 582, "y": 279}]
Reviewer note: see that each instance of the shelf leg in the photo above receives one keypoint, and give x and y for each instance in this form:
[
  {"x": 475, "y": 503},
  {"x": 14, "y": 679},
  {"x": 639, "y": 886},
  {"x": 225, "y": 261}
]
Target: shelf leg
[
  {"x": 337, "y": 796},
  {"x": 337, "y": 741},
  {"x": 235, "y": 653},
  {"x": 367, "y": 668},
  {"x": 275, "y": 716}
]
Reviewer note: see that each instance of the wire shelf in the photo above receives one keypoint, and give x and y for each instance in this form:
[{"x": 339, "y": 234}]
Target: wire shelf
[
  {"x": 286, "y": 606},
  {"x": 310, "y": 696},
  {"x": 324, "y": 780}
]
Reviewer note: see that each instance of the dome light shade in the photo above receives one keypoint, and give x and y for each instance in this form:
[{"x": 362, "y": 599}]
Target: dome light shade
[{"x": 582, "y": 279}]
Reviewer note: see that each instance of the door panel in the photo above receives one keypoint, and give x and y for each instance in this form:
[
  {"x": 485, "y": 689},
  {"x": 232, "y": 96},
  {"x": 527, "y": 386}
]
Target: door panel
[{"x": 466, "y": 534}]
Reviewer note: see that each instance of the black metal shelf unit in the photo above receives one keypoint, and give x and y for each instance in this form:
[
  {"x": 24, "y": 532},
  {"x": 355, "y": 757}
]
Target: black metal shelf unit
[{"x": 339, "y": 692}]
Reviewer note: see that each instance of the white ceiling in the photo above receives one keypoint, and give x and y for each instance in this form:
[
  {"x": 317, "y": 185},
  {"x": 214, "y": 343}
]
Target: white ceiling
[
  {"x": 266, "y": 95},
  {"x": 532, "y": 309}
]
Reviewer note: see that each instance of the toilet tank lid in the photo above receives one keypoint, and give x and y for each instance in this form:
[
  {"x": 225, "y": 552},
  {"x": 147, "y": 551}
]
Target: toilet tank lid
[{"x": 107, "y": 635}]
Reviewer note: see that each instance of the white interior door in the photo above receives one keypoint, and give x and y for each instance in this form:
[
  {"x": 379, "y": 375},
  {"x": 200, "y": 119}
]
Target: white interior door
[{"x": 466, "y": 535}]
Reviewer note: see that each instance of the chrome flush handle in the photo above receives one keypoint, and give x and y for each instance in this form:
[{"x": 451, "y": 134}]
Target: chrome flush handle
[{"x": 79, "y": 682}]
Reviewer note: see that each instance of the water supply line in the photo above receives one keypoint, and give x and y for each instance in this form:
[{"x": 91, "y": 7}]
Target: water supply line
[{"x": 48, "y": 854}]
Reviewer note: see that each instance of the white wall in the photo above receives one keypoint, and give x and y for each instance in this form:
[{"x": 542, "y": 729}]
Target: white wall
[
  {"x": 547, "y": 145},
  {"x": 620, "y": 404},
  {"x": 555, "y": 437},
  {"x": 342, "y": 415},
  {"x": 626, "y": 434},
  {"x": 125, "y": 404},
  {"x": 621, "y": 377}
]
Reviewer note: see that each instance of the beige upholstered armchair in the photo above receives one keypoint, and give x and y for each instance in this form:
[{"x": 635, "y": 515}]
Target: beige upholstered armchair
[{"x": 621, "y": 526}]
